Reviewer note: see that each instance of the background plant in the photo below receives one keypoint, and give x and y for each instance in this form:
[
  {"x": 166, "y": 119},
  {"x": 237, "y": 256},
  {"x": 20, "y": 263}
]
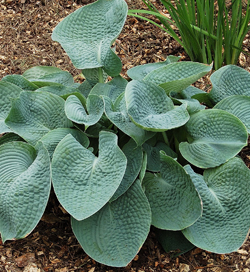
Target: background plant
[
  {"x": 209, "y": 30},
  {"x": 123, "y": 156}
]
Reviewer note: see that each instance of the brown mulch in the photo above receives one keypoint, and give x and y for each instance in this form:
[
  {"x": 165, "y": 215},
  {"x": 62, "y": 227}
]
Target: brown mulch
[{"x": 25, "y": 41}]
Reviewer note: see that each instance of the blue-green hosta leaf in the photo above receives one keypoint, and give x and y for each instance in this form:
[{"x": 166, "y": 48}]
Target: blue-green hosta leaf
[
  {"x": 173, "y": 199},
  {"x": 238, "y": 105},
  {"x": 115, "y": 234},
  {"x": 173, "y": 241},
  {"x": 225, "y": 221},
  {"x": 118, "y": 115},
  {"x": 59, "y": 90},
  {"x": 91, "y": 49},
  {"x": 44, "y": 75},
  {"x": 94, "y": 75},
  {"x": 52, "y": 138},
  {"x": 84, "y": 183},
  {"x": 178, "y": 76},
  {"x": 77, "y": 113},
  {"x": 214, "y": 137},
  {"x": 25, "y": 188},
  {"x": 229, "y": 80},
  {"x": 10, "y": 137},
  {"x": 134, "y": 157},
  {"x": 8, "y": 92},
  {"x": 34, "y": 114},
  {"x": 190, "y": 91},
  {"x": 151, "y": 109},
  {"x": 21, "y": 82},
  {"x": 140, "y": 71},
  {"x": 153, "y": 154},
  {"x": 118, "y": 85}
]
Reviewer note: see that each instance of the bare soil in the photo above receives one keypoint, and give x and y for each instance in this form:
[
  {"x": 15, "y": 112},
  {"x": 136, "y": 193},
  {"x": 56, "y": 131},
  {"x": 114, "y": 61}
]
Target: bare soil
[{"x": 25, "y": 41}]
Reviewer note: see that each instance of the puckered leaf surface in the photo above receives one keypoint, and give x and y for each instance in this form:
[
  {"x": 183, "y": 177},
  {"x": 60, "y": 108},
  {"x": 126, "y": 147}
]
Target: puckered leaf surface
[
  {"x": 91, "y": 49},
  {"x": 34, "y": 114},
  {"x": 24, "y": 188},
  {"x": 21, "y": 82},
  {"x": 151, "y": 109},
  {"x": 115, "y": 234},
  {"x": 225, "y": 221},
  {"x": 173, "y": 199},
  {"x": 83, "y": 182},
  {"x": 214, "y": 137}
]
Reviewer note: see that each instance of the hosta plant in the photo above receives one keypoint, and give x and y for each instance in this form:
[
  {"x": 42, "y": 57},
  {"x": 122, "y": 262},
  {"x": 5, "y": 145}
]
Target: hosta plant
[{"x": 124, "y": 155}]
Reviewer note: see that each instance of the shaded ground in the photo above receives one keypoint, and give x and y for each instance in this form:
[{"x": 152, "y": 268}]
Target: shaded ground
[{"x": 25, "y": 41}]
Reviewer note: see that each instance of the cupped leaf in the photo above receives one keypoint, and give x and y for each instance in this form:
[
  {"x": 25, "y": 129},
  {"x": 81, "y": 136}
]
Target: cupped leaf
[
  {"x": 76, "y": 112},
  {"x": 178, "y": 76},
  {"x": 60, "y": 90},
  {"x": 34, "y": 114},
  {"x": 173, "y": 199},
  {"x": 89, "y": 183},
  {"x": 238, "y": 105},
  {"x": 151, "y": 109},
  {"x": 225, "y": 221},
  {"x": 229, "y": 80},
  {"x": 8, "y": 92},
  {"x": 118, "y": 115},
  {"x": 21, "y": 82},
  {"x": 44, "y": 75},
  {"x": 10, "y": 137},
  {"x": 115, "y": 234},
  {"x": 91, "y": 49},
  {"x": 52, "y": 138},
  {"x": 25, "y": 188},
  {"x": 214, "y": 137},
  {"x": 134, "y": 157},
  {"x": 140, "y": 71}
]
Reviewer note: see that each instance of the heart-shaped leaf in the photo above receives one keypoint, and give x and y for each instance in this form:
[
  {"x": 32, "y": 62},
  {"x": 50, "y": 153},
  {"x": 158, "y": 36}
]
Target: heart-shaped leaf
[
  {"x": 178, "y": 76},
  {"x": 214, "y": 137},
  {"x": 34, "y": 114},
  {"x": 89, "y": 49},
  {"x": 118, "y": 115},
  {"x": 115, "y": 234},
  {"x": 8, "y": 92},
  {"x": 229, "y": 80},
  {"x": 238, "y": 105},
  {"x": 151, "y": 109},
  {"x": 77, "y": 113},
  {"x": 44, "y": 75},
  {"x": 21, "y": 82},
  {"x": 24, "y": 188},
  {"x": 86, "y": 186},
  {"x": 140, "y": 71},
  {"x": 225, "y": 221},
  {"x": 173, "y": 199}
]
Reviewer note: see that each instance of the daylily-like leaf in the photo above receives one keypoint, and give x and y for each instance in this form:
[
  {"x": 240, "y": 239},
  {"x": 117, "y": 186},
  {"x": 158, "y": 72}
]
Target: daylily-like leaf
[
  {"x": 21, "y": 82},
  {"x": 239, "y": 106},
  {"x": 225, "y": 221},
  {"x": 89, "y": 183},
  {"x": 140, "y": 71},
  {"x": 173, "y": 199},
  {"x": 178, "y": 76},
  {"x": 8, "y": 92},
  {"x": 44, "y": 75},
  {"x": 91, "y": 49},
  {"x": 229, "y": 80},
  {"x": 115, "y": 234},
  {"x": 24, "y": 188},
  {"x": 134, "y": 157},
  {"x": 76, "y": 112},
  {"x": 52, "y": 138},
  {"x": 151, "y": 109},
  {"x": 118, "y": 115},
  {"x": 214, "y": 137},
  {"x": 34, "y": 114}
]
